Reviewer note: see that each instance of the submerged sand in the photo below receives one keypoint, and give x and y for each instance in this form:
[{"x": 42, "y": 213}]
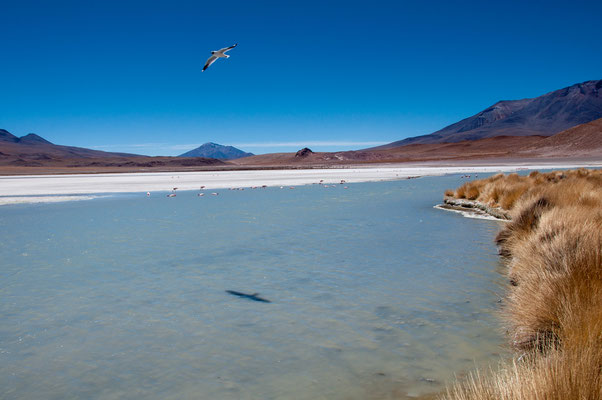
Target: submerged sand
[{"x": 53, "y": 185}]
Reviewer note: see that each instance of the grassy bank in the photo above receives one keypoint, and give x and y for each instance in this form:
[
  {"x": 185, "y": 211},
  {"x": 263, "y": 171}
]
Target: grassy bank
[{"x": 553, "y": 308}]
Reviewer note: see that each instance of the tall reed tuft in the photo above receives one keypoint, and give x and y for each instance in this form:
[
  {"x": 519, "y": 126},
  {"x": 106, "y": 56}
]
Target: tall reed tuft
[{"x": 552, "y": 248}]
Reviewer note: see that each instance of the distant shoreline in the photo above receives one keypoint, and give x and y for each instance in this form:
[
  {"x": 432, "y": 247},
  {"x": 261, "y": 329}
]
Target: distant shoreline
[
  {"x": 72, "y": 184},
  {"x": 236, "y": 165}
]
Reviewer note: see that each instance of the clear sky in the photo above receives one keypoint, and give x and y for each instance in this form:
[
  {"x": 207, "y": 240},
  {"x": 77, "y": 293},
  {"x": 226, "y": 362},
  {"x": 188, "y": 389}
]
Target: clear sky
[{"x": 126, "y": 75}]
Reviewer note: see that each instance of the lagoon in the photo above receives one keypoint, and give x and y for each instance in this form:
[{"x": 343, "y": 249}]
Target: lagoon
[{"x": 373, "y": 294}]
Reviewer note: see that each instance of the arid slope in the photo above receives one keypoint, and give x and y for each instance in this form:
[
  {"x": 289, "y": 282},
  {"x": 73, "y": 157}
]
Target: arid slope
[{"x": 578, "y": 142}]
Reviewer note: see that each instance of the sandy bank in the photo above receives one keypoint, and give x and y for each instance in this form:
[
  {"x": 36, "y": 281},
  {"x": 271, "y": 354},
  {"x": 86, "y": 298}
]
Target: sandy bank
[{"x": 36, "y": 185}]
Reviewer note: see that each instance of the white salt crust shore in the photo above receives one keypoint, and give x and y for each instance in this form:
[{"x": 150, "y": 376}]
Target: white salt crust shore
[
  {"x": 43, "y": 199},
  {"x": 12, "y": 187},
  {"x": 471, "y": 214}
]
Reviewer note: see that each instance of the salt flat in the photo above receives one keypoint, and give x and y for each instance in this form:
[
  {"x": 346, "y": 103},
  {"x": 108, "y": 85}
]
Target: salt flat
[{"x": 40, "y": 185}]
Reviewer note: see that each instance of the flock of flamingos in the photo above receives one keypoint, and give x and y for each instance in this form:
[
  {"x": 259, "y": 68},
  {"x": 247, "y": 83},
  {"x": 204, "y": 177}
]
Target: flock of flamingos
[{"x": 173, "y": 191}]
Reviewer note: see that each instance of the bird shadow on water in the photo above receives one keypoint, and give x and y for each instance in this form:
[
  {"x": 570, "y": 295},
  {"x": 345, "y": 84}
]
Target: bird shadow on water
[{"x": 253, "y": 296}]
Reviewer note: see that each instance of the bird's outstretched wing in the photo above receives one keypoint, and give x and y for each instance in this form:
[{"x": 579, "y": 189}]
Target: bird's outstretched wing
[
  {"x": 210, "y": 61},
  {"x": 225, "y": 49}
]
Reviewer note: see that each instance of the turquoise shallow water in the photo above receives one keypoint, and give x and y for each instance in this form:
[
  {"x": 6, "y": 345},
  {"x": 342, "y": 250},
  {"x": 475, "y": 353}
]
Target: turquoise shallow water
[{"x": 375, "y": 294}]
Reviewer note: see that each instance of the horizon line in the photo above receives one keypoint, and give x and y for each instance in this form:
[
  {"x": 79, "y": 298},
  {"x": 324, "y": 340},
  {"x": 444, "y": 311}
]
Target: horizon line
[{"x": 192, "y": 146}]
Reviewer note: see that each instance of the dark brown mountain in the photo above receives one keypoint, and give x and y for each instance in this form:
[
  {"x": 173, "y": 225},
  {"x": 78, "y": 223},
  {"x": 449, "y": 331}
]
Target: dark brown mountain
[{"x": 544, "y": 115}]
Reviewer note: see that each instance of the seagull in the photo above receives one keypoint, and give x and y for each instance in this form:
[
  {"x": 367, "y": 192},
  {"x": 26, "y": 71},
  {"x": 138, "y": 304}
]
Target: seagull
[{"x": 221, "y": 53}]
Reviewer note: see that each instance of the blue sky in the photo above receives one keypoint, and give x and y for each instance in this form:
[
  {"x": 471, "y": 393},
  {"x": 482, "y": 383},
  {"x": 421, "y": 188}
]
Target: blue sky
[{"x": 126, "y": 76}]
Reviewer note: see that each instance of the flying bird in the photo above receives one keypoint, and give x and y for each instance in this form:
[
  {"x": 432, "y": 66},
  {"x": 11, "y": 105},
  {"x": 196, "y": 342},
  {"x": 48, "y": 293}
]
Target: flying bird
[{"x": 221, "y": 53}]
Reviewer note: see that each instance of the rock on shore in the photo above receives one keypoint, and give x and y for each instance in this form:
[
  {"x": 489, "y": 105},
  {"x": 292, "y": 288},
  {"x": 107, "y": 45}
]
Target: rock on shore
[{"x": 467, "y": 205}]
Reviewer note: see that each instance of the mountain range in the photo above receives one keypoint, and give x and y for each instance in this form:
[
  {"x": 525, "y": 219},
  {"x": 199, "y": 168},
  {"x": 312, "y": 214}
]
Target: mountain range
[
  {"x": 31, "y": 138},
  {"x": 217, "y": 151},
  {"x": 33, "y": 147},
  {"x": 565, "y": 123},
  {"x": 33, "y": 151},
  {"x": 545, "y": 115}
]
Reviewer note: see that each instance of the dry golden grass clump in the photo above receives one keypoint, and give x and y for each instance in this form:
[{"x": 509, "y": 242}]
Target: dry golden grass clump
[
  {"x": 583, "y": 192},
  {"x": 505, "y": 190},
  {"x": 559, "y": 264},
  {"x": 553, "y": 310},
  {"x": 561, "y": 375}
]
